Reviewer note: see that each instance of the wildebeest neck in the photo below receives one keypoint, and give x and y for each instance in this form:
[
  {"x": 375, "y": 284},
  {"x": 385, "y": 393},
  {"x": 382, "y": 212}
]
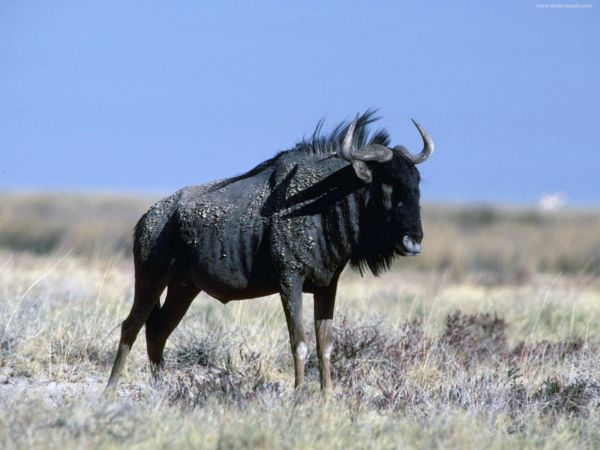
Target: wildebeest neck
[{"x": 323, "y": 196}]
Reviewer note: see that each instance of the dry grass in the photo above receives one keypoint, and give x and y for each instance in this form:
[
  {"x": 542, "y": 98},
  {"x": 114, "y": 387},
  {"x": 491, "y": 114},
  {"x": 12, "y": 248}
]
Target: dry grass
[{"x": 439, "y": 358}]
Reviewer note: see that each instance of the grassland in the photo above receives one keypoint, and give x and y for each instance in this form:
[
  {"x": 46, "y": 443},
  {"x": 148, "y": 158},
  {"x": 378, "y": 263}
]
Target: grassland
[{"x": 489, "y": 339}]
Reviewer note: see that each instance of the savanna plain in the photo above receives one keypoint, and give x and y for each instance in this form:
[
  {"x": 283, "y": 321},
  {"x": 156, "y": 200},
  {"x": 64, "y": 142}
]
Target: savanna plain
[{"x": 489, "y": 339}]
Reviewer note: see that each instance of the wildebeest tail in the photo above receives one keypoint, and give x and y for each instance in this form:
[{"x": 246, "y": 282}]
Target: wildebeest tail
[{"x": 153, "y": 235}]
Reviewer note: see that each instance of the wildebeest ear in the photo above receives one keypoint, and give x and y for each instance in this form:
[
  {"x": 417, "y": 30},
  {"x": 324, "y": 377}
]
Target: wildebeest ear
[{"x": 362, "y": 171}]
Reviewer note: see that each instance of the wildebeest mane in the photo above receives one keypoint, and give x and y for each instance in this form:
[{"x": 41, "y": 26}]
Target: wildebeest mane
[
  {"x": 321, "y": 144},
  {"x": 325, "y": 144}
]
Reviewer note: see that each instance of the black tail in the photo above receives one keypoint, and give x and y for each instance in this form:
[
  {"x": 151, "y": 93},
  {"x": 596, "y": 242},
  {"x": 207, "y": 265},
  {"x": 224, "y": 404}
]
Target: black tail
[{"x": 153, "y": 236}]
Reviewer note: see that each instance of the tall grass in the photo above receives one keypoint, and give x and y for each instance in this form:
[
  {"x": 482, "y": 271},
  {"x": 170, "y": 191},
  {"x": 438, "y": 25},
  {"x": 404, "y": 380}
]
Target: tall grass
[{"x": 420, "y": 360}]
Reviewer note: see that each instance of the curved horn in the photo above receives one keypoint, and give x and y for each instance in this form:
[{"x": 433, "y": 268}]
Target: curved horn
[
  {"x": 428, "y": 147},
  {"x": 373, "y": 152},
  {"x": 346, "y": 150}
]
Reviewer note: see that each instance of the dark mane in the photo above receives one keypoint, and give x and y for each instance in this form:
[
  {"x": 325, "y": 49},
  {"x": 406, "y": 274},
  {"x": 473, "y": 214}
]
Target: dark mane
[{"x": 322, "y": 144}]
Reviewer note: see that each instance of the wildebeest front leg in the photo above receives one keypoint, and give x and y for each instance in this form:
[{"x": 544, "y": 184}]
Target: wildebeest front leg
[
  {"x": 291, "y": 297},
  {"x": 324, "y": 305}
]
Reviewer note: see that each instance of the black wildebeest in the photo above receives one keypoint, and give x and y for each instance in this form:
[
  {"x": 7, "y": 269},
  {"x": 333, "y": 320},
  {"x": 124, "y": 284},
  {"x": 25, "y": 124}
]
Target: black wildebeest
[{"x": 290, "y": 225}]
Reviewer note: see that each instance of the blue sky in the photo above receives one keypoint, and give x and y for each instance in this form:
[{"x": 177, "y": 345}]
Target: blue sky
[{"x": 152, "y": 96}]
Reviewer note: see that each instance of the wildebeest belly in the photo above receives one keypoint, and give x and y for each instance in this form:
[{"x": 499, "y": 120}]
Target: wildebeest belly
[{"x": 223, "y": 258}]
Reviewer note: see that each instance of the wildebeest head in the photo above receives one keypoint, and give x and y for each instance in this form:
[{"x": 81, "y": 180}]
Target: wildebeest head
[{"x": 392, "y": 220}]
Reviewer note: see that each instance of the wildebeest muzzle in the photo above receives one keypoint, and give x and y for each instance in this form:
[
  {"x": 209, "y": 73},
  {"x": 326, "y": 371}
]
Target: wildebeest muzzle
[{"x": 411, "y": 246}]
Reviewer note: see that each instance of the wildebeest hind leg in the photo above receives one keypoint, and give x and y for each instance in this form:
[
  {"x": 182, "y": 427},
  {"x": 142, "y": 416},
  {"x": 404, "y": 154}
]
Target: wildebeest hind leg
[
  {"x": 162, "y": 321},
  {"x": 147, "y": 295}
]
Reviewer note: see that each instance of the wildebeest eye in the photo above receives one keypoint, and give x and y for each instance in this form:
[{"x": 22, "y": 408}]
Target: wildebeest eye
[{"x": 398, "y": 198}]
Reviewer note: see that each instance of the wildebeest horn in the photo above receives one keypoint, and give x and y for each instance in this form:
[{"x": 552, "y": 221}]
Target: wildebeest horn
[
  {"x": 428, "y": 147},
  {"x": 373, "y": 152},
  {"x": 346, "y": 150}
]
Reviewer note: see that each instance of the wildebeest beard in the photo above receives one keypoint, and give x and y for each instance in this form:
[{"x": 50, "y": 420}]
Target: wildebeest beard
[{"x": 377, "y": 245}]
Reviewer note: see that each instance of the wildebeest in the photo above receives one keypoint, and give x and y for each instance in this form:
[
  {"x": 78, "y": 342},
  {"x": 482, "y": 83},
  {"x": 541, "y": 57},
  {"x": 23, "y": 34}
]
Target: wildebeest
[{"x": 290, "y": 225}]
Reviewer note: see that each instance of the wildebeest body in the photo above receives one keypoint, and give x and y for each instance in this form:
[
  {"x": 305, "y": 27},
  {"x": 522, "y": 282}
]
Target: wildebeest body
[
  {"x": 288, "y": 226},
  {"x": 236, "y": 240}
]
